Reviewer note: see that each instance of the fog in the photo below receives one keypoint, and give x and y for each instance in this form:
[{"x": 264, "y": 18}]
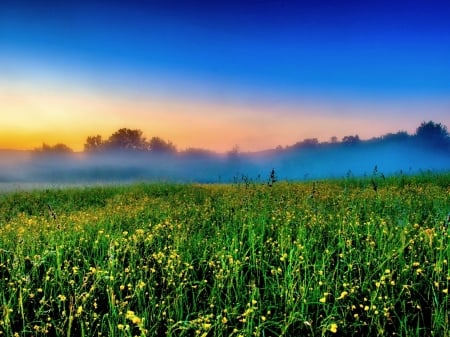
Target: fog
[{"x": 21, "y": 169}]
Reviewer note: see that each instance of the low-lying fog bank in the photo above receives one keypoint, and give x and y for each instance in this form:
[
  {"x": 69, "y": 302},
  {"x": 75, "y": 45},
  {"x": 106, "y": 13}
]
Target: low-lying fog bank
[{"x": 26, "y": 169}]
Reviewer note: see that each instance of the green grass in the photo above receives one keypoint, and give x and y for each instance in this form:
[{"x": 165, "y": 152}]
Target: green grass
[{"x": 344, "y": 257}]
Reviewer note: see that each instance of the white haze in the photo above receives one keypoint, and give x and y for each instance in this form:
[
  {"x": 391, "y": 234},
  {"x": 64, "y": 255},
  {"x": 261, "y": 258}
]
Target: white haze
[{"x": 25, "y": 169}]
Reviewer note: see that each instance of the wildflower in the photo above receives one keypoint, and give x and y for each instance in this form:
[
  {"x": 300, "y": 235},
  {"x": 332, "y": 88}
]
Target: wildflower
[
  {"x": 333, "y": 327},
  {"x": 132, "y": 317},
  {"x": 343, "y": 295},
  {"x": 62, "y": 298}
]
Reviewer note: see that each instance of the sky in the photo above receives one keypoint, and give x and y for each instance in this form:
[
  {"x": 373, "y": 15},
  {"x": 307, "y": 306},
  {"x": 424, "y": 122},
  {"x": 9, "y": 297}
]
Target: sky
[{"x": 216, "y": 74}]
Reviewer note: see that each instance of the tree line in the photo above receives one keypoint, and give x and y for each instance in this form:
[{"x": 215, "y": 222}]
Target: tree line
[{"x": 129, "y": 140}]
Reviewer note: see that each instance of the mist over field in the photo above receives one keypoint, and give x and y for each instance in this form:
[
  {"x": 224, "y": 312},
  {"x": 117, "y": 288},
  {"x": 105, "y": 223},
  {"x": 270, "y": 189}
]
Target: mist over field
[
  {"x": 302, "y": 161},
  {"x": 218, "y": 73}
]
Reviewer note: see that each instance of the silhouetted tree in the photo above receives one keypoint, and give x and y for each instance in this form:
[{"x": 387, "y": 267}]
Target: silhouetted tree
[
  {"x": 159, "y": 145},
  {"x": 310, "y": 142},
  {"x": 233, "y": 154},
  {"x": 394, "y": 137},
  {"x": 127, "y": 139},
  {"x": 432, "y": 132},
  {"x": 351, "y": 139},
  {"x": 306, "y": 143},
  {"x": 93, "y": 143},
  {"x": 55, "y": 149}
]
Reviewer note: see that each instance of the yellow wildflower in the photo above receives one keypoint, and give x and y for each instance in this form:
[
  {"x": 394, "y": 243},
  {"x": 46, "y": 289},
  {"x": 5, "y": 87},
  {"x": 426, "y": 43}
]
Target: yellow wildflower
[
  {"x": 333, "y": 327},
  {"x": 343, "y": 295}
]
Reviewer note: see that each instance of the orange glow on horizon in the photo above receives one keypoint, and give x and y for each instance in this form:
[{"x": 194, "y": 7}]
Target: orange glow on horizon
[{"x": 30, "y": 119}]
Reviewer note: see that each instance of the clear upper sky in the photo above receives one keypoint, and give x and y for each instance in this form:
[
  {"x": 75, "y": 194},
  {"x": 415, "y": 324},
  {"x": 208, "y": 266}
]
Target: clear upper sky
[{"x": 214, "y": 74}]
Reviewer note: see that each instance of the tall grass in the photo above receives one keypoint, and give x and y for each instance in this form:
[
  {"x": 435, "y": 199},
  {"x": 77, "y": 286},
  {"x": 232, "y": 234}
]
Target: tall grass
[{"x": 315, "y": 259}]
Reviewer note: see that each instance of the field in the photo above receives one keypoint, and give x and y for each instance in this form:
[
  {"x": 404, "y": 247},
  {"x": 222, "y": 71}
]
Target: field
[{"x": 350, "y": 257}]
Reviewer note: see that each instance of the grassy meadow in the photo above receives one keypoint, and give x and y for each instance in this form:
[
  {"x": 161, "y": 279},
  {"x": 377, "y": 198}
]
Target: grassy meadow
[{"x": 351, "y": 257}]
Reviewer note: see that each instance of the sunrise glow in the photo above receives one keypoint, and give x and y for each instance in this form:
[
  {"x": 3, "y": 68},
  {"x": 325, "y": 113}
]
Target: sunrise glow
[{"x": 213, "y": 76}]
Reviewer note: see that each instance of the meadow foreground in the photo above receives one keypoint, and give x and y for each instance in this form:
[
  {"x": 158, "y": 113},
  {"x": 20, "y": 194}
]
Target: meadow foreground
[{"x": 345, "y": 257}]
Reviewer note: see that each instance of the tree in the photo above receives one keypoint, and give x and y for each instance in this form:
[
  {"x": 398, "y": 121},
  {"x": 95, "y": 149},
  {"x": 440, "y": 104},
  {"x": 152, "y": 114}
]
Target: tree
[
  {"x": 233, "y": 154},
  {"x": 58, "y": 149},
  {"x": 310, "y": 142},
  {"x": 127, "y": 139},
  {"x": 432, "y": 132},
  {"x": 93, "y": 143},
  {"x": 351, "y": 139},
  {"x": 159, "y": 145},
  {"x": 395, "y": 137}
]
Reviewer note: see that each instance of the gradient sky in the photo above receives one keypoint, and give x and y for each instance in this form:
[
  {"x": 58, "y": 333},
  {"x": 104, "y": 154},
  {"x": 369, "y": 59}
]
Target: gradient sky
[{"x": 215, "y": 74}]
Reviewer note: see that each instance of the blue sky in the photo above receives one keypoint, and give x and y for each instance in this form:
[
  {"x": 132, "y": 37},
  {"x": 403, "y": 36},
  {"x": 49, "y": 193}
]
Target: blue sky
[{"x": 329, "y": 67}]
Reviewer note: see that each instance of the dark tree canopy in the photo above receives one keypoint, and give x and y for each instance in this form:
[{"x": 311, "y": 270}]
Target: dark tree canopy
[
  {"x": 351, "y": 139},
  {"x": 398, "y": 136},
  {"x": 432, "y": 131},
  {"x": 127, "y": 139},
  {"x": 159, "y": 145},
  {"x": 310, "y": 142},
  {"x": 93, "y": 143},
  {"x": 55, "y": 149}
]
